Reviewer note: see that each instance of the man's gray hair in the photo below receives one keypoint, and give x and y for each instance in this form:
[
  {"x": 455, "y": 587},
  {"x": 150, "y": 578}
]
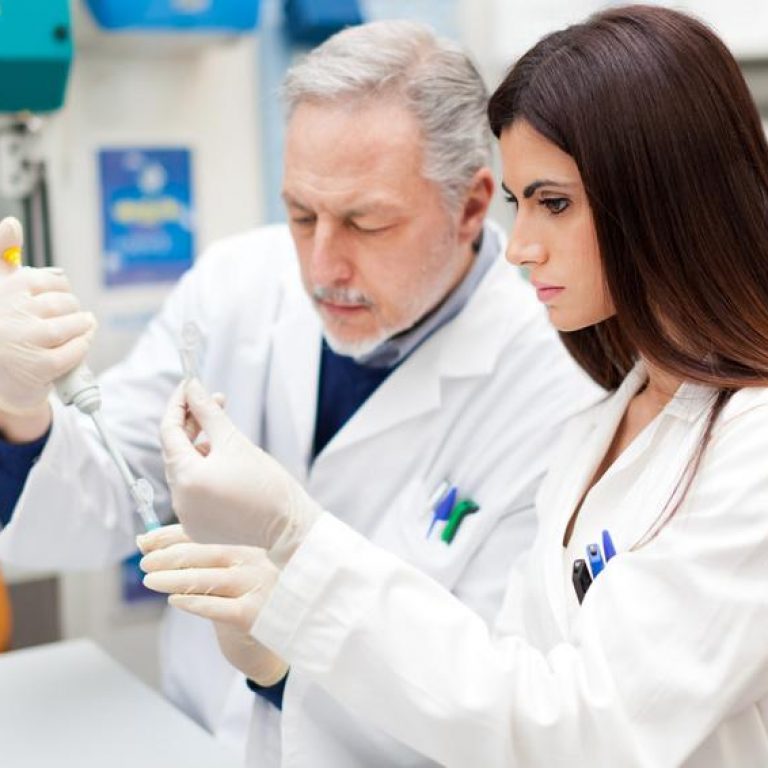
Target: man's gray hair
[{"x": 430, "y": 76}]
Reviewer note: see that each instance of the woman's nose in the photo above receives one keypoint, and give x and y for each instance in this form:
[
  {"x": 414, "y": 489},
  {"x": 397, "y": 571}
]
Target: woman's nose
[{"x": 523, "y": 254}]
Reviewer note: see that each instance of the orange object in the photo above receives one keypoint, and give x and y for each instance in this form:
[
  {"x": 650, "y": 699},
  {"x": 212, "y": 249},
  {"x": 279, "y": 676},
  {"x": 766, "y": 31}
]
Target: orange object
[
  {"x": 6, "y": 617},
  {"x": 12, "y": 256}
]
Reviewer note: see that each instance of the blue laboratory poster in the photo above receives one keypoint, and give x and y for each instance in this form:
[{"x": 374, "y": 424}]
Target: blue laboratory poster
[{"x": 147, "y": 214}]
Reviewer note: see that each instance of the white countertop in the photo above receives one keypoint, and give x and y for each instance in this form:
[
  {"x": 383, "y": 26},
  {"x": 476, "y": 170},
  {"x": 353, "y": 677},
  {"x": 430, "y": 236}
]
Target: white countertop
[{"x": 69, "y": 705}]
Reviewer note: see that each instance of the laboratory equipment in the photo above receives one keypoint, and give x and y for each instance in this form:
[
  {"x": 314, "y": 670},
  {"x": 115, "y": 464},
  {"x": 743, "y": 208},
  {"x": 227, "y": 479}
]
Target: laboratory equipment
[
  {"x": 35, "y": 62},
  {"x": 176, "y": 15},
  {"x": 80, "y": 388},
  {"x": 35, "y": 54}
]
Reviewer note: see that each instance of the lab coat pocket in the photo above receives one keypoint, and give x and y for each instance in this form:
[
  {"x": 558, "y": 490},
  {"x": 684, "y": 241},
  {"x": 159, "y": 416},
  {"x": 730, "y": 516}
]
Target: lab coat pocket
[{"x": 408, "y": 532}]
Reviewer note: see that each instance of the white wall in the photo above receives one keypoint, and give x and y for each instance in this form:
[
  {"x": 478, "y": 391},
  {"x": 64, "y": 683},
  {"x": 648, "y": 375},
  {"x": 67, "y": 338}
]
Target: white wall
[
  {"x": 505, "y": 29},
  {"x": 146, "y": 92}
]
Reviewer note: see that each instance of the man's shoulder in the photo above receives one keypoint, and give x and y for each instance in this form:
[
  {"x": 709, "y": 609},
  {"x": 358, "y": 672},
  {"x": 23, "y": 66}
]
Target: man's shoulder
[
  {"x": 254, "y": 271},
  {"x": 267, "y": 249}
]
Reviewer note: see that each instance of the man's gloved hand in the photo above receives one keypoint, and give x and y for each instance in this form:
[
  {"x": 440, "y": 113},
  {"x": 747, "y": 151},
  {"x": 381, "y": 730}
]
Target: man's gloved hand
[
  {"x": 228, "y": 491},
  {"x": 227, "y": 584},
  {"x": 43, "y": 332}
]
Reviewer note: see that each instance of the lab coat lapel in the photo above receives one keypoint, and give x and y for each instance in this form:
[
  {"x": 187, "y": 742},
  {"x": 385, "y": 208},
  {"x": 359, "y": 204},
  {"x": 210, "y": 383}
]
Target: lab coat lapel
[
  {"x": 295, "y": 349},
  {"x": 586, "y": 459},
  {"x": 461, "y": 348},
  {"x": 413, "y": 389}
]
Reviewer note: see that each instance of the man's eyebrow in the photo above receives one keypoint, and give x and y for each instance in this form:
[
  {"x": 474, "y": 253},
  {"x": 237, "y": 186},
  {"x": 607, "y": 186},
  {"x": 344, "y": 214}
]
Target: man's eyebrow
[
  {"x": 290, "y": 200},
  {"x": 373, "y": 207}
]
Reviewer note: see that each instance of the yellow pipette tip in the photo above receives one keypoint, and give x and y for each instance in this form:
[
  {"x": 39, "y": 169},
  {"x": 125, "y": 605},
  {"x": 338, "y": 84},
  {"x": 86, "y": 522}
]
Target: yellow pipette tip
[{"x": 12, "y": 256}]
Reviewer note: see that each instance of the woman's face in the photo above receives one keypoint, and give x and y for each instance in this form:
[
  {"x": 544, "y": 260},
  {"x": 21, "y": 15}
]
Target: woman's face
[{"x": 553, "y": 234}]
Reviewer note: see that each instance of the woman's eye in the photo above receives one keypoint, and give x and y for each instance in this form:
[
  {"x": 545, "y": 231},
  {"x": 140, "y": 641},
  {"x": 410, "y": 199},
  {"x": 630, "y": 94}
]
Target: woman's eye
[
  {"x": 556, "y": 205},
  {"x": 303, "y": 220},
  {"x": 510, "y": 198}
]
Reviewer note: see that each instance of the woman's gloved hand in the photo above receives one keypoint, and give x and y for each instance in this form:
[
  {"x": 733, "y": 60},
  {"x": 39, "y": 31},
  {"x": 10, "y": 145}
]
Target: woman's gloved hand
[
  {"x": 227, "y": 584},
  {"x": 228, "y": 491}
]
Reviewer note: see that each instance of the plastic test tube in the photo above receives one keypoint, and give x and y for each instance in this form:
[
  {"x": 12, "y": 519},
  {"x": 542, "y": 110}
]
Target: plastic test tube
[{"x": 188, "y": 349}]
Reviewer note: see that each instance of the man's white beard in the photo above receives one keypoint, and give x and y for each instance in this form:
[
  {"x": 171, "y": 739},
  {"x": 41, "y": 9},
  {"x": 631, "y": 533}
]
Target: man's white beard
[{"x": 360, "y": 347}]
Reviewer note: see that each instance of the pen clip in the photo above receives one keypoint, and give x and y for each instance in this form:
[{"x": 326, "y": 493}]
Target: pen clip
[
  {"x": 595, "y": 557},
  {"x": 608, "y": 548},
  {"x": 442, "y": 508},
  {"x": 460, "y": 511}
]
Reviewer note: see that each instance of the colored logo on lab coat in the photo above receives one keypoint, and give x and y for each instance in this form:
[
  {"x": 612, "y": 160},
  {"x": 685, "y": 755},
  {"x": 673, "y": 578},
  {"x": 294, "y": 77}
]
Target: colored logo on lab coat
[{"x": 148, "y": 222}]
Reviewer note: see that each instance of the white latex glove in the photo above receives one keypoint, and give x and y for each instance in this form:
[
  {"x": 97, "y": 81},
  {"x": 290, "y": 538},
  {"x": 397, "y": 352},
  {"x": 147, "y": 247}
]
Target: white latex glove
[
  {"x": 43, "y": 332},
  {"x": 236, "y": 493},
  {"x": 227, "y": 584}
]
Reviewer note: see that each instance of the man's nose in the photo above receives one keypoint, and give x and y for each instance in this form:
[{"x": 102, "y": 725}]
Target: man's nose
[{"x": 330, "y": 260}]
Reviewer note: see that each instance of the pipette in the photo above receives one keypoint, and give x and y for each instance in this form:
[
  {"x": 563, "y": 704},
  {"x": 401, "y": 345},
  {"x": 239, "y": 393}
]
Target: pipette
[{"x": 80, "y": 388}]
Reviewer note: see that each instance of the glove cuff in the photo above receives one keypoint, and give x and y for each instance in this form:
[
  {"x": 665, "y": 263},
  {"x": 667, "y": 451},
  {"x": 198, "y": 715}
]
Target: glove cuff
[{"x": 294, "y": 532}]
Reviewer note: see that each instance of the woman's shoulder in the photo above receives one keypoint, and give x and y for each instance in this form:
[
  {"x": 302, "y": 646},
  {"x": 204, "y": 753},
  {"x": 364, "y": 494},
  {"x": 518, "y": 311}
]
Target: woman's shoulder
[
  {"x": 742, "y": 427},
  {"x": 748, "y": 404}
]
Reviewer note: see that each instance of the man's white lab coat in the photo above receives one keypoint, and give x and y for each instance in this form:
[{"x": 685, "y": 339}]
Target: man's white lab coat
[{"x": 478, "y": 404}]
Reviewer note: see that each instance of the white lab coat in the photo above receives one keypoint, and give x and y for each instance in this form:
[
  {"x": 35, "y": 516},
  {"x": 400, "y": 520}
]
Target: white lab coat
[
  {"x": 664, "y": 664},
  {"x": 479, "y": 403}
]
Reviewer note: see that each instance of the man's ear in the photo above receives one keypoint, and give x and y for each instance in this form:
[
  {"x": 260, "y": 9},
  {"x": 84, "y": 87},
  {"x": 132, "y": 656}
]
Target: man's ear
[{"x": 475, "y": 207}]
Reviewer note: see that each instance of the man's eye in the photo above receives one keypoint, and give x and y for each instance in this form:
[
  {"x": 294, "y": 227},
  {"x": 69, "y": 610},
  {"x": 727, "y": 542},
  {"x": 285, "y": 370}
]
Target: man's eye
[
  {"x": 366, "y": 230},
  {"x": 556, "y": 205},
  {"x": 510, "y": 198},
  {"x": 303, "y": 220}
]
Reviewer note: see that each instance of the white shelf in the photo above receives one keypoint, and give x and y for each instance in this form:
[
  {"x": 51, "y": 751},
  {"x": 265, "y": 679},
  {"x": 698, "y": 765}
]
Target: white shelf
[{"x": 14, "y": 575}]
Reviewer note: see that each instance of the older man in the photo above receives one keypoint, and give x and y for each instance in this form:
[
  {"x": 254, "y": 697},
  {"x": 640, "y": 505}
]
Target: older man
[{"x": 378, "y": 347}]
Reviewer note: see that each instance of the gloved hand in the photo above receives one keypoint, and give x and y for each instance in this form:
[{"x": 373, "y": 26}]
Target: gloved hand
[
  {"x": 43, "y": 332},
  {"x": 227, "y": 584},
  {"x": 236, "y": 494}
]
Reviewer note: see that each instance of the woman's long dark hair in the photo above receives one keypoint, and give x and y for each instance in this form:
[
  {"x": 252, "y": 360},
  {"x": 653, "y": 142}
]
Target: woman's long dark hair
[
  {"x": 671, "y": 150},
  {"x": 656, "y": 114}
]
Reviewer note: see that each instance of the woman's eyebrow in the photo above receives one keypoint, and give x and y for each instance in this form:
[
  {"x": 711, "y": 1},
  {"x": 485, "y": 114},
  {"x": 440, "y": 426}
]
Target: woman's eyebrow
[{"x": 534, "y": 185}]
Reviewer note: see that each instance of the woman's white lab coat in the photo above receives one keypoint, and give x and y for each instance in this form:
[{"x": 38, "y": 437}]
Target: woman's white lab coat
[
  {"x": 479, "y": 403},
  {"x": 664, "y": 664}
]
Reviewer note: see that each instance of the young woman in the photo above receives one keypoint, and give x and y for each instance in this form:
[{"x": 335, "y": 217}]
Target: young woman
[{"x": 639, "y": 170}]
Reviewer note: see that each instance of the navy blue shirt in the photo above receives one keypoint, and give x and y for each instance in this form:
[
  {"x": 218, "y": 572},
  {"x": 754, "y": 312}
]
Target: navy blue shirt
[
  {"x": 16, "y": 461},
  {"x": 344, "y": 386}
]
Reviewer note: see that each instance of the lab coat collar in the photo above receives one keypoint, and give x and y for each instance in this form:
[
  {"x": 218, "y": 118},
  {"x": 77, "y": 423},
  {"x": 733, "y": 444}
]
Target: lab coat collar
[
  {"x": 295, "y": 355},
  {"x": 462, "y": 348},
  {"x": 605, "y": 420},
  {"x": 467, "y": 347},
  {"x": 688, "y": 403}
]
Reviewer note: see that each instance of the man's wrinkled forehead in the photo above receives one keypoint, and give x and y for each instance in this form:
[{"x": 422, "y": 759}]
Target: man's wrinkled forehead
[{"x": 346, "y": 203}]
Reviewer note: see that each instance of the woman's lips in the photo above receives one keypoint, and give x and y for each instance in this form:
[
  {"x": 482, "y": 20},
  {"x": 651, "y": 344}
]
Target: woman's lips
[{"x": 546, "y": 292}]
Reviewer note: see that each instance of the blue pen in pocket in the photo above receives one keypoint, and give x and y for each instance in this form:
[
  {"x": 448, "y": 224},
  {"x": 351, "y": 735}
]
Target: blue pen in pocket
[
  {"x": 595, "y": 558},
  {"x": 608, "y": 548},
  {"x": 443, "y": 508}
]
